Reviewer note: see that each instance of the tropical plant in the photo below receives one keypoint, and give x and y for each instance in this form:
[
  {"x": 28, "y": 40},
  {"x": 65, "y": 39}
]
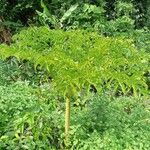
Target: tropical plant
[
  {"x": 79, "y": 15},
  {"x": 46, "y": 18},
  {"x": 17, "y": 13},
  {"x": 75, "y": 60}
]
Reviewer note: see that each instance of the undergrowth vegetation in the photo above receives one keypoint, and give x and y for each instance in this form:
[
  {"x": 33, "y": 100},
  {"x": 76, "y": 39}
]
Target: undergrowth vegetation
[{"x": 33, "y": 121}]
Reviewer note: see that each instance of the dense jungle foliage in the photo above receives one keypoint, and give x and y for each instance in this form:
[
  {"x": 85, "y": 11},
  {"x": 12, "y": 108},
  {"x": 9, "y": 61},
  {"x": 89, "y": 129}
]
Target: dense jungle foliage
[{"x": 75, "y": 75}]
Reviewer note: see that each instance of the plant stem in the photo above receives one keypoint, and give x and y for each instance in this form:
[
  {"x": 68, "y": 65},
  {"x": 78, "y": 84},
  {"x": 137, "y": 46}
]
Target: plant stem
[{"x": 67, "y": 118}]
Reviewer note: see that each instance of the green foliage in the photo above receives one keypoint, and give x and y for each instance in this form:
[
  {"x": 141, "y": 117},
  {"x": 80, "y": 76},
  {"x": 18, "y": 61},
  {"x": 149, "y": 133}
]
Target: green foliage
[
  {"x": 93, "y": 13},
  {"x": 124, "y": 8},
  {"x": 121, "y": 24},
  {"x": 28, "y": 120},
  {"x": 148, "y": 13},
  {"x": 93, "y": 17},
  {"x": 107, "y": 123},
  {"x": 77, "y": 16},
  {"x": 18, "y": 13},
  {"x": 140, "y": 37},
  {"x": 78, "y": 59},
  {"x": 32, "y": 120},
  {"x": 3, "y": 75},
  {"x": 12, "y": 71},
  {"x": 74, "y": 65},
  {"x": 87, "y": 16},
  {"x": 123, "y": 20},
  {"x": 46, "y": 18}
]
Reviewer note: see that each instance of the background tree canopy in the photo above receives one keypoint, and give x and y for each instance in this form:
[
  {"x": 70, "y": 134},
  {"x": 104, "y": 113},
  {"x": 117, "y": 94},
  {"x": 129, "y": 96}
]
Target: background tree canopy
[{"x": 16, "y": 12}]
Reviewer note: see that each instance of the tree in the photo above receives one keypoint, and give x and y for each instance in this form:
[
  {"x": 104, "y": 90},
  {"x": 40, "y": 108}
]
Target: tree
[{"x": 75, "y": 60}]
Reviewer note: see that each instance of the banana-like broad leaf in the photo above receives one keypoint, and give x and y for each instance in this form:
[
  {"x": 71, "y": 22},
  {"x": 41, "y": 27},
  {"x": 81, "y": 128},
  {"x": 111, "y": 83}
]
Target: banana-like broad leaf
[
  {"x": 69, "y": 12},
  {"x": 51, "y": 17}
]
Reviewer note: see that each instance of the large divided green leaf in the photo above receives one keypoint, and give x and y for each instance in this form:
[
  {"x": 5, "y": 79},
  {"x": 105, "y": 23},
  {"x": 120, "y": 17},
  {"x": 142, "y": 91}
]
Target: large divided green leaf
[{"x": 77, "y": 59}]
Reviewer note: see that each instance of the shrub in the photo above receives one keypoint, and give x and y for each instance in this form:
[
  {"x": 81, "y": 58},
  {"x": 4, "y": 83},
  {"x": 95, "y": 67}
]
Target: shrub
[
  {"x": 28, "y": 120},
  {"x": 140, "y": 37},
  {"x": 3, "y": 75},
  {"x": 111, "y": 123}
]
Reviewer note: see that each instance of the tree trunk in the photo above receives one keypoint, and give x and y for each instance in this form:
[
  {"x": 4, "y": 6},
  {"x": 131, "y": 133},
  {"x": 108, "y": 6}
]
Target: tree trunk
[{"x": 67, "y": 118}]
